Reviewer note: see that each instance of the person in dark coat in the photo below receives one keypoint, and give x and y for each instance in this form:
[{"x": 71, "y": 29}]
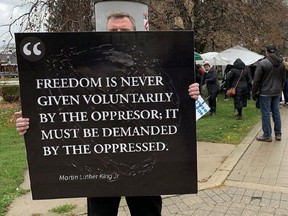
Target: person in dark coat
[
  {"x": 267, "y": 87},
  {"x": 242, "y": 73},
  {"x": 224, "y": 83},
  {"x": 211, "y": 80},
  {"x": 285, "y": 88}
]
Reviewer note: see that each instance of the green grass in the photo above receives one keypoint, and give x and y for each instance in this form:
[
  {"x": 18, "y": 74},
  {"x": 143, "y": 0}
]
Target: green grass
[
  {"x": 63, "y": 209},
  {"x": 9, "y": 79},
  {"x": 12, "y": 159},
  {"x": 223, "y": 127}
]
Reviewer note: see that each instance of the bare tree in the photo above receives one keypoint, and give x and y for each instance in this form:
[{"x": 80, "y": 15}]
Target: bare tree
[
  {"x": 75, "y": 16},
  {"x": 32, "y": 19},
  {"x": 252, "y": 23},
  {"x": 217, "y": 24},
  {"x": 54, "y": 15},
  {"x": 171, "y": 15}
]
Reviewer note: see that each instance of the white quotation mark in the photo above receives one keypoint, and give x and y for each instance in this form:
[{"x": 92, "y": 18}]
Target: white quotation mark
[
  {"x": 27, "y": 49},
  {"x": 32, "y": 49}
]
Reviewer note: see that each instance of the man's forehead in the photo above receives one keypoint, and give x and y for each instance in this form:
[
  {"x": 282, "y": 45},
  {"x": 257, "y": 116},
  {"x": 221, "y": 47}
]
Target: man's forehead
[
  {"x": 119, "y": 21},
  {"x": 119, "y": 24}
]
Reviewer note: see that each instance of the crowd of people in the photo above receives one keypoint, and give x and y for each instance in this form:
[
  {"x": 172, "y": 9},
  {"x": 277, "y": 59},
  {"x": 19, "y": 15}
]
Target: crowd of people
[
  {"x": 237, "y": 75},
  {"x": 269, "y": 83}
]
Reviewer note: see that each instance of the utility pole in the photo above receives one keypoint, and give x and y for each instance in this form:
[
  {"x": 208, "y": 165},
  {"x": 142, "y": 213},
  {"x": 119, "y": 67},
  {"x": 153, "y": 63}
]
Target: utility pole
[{"x": 138, "y": 9}]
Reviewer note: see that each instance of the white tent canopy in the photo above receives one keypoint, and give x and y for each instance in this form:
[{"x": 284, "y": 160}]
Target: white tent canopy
[
  {"x": 214, "y": 58},
  {"x": 247, "y": 56}
]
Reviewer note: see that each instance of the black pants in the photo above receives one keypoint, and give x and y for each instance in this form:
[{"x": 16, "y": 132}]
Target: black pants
[
  {"x": 212, "y": 101},
  {"x": 138, "y": 206}
]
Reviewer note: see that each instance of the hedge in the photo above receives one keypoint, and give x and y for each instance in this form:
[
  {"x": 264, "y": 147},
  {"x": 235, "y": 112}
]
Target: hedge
[{"x": 10, "y": 93}]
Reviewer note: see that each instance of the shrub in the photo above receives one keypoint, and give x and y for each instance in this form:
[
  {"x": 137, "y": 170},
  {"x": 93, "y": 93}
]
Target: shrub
[{"x": 10, "y": 93}]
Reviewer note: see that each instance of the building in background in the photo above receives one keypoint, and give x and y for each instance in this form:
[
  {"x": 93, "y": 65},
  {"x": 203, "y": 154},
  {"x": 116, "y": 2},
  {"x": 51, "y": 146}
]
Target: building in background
[{"x": 8, "y": 61}]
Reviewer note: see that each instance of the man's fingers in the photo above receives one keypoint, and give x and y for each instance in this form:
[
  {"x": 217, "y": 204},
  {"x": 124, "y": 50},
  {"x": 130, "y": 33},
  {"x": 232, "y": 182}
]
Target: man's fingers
[
  {"x": 18, "y": 114},
  {"x": 22, "y": 130},
  {"x": 22, "y": 124},
  {"x": 194, "y": 90}
]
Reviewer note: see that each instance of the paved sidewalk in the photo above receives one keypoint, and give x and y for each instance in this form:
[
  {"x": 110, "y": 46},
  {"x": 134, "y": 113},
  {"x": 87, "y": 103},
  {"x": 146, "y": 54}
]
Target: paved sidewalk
[
  {"x": 250, "y": 179},
  {"x": 210, "y": 158},
  {"x": 253, "y": 180}
]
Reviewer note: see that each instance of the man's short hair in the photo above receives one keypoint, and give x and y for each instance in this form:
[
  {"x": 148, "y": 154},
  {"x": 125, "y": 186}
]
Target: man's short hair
[{"x": 120, "y": 15}]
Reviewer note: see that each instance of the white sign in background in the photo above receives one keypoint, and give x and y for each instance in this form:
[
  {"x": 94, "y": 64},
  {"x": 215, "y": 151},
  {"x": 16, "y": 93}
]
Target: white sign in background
[{"x": 201, "y": 108}]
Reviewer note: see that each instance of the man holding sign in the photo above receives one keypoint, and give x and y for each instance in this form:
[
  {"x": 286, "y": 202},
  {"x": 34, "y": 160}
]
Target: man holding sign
[{"x": 108, "y": 206}]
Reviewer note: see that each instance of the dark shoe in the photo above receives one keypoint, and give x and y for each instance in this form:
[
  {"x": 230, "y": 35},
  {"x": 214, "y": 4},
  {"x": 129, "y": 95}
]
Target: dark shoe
[
  {"x": 278, "y": 137},
  {"x": 238, "y": 117},
  {"x": 264, "y": 138},
  {"x": 212, "y": 111}
]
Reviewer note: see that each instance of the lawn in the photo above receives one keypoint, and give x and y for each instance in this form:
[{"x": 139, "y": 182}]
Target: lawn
[
  {"x": 222, "y": 128},
  {"x": 3, "y": 80},
  {"x": 12, "y": 157}
]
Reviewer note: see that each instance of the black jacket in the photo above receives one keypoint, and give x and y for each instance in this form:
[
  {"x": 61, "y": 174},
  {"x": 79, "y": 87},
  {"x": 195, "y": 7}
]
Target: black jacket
[
  {"x": 211, "y": 79},
  {"x": 234, "y": 75},
  {"x": 242, "y": 90},
  {"x": 269, "y": 77}
]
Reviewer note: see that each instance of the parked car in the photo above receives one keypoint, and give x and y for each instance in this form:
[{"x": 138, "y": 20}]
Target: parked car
[{"x": 5, "y": 74}]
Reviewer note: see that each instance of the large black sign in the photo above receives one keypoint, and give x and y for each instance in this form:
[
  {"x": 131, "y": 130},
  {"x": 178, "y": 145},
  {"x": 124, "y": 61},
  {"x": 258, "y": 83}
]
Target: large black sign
[{"x": 109, "y": 113}]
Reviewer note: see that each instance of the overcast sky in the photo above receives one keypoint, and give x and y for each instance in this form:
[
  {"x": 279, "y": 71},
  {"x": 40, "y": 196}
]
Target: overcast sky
[{"x": 8, "y": 13}]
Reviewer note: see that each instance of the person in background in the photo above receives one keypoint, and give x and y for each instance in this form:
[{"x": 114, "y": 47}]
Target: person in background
[
  {"x": 268, "y": 85},
  {"x": 108, "y": 206},
  {"x": 120, "y": 22},
  {"x": 224, "y": 83},
  {"x": 240, "y": 76},
  {"x": 199, "y": 72},
  {"x": 248, "y": 68},
  {"x": 211, "y": 80},
  {"x": 285, "y": 89}
]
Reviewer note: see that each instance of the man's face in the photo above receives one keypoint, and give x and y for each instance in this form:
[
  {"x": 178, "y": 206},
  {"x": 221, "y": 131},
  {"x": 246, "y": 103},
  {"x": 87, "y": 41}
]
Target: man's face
[{"x": 119, "y": 24}]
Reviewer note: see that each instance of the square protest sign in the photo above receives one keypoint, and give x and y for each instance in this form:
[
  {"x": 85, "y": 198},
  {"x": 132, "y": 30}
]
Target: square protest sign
[
  {"x": 201, "y": 108},
  {"x": 110, "y": 113}
]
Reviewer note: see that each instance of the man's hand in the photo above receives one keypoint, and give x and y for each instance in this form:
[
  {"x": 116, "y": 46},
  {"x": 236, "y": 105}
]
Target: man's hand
[
  {"x": 22, "y": 124},
  {"x": 194, "y": 91}
]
